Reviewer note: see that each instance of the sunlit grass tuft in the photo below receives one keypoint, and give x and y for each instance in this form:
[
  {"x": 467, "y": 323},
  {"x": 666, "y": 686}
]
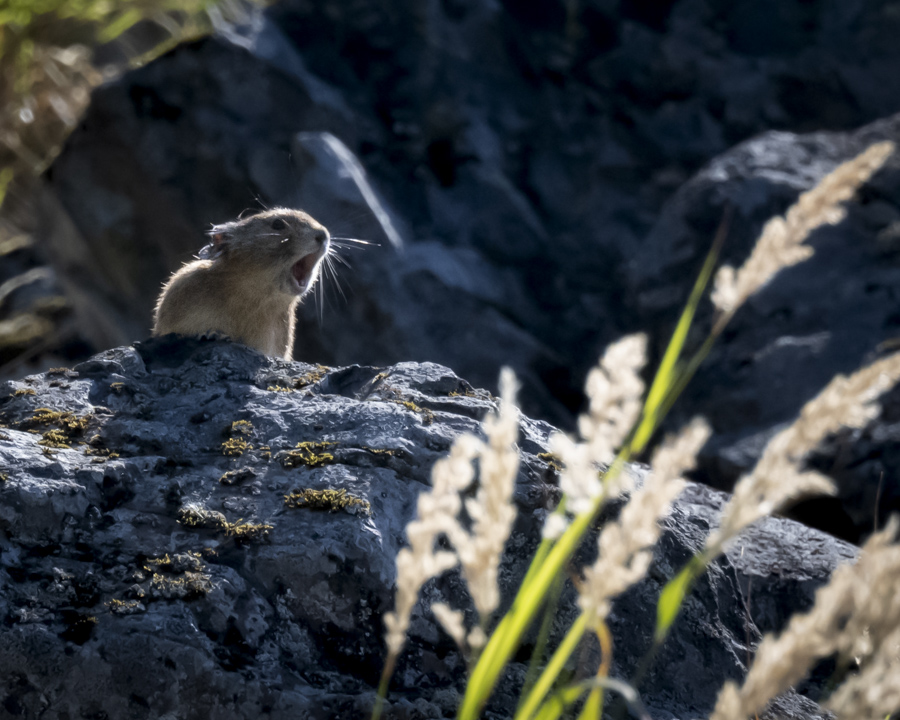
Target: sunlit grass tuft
[{"x": 618, "y": 426}]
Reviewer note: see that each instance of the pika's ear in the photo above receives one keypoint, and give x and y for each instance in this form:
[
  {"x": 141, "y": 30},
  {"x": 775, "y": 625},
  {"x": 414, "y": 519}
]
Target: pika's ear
[{"x": 220, "y": 235}]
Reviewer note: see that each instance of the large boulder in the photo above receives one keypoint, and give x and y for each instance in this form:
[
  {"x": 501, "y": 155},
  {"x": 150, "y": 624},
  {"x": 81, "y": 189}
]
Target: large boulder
[{"x": 190, "y": 529}]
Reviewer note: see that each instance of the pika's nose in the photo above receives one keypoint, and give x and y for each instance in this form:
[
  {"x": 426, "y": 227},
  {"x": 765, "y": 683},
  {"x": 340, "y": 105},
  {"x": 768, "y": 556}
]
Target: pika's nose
[{"x": 321, "y": 236}]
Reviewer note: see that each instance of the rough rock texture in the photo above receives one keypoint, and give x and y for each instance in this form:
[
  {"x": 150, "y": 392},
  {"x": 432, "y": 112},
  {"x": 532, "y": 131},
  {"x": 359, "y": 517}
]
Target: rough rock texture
[
  {"x": 522, "y": 157},
  {"x": 156, "y": 560}
]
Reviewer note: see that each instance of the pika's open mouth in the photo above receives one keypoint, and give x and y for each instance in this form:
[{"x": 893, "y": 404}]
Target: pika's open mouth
[{"x": 303, "y": 271}]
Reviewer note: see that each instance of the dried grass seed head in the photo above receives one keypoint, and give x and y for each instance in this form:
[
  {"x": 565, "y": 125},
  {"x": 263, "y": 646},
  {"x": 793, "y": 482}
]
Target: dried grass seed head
[
  {"x": 777, "y": 478},
  {"x": 614, "y": 388},
  {"x": 452, "y": 622},
  {"x": 781, "y": 243},
  {"x": 437, "y": 511},
  {"x": 859, "y": 603},
  {"x": 491, "y": 512},
  {"x": 875, "y": 691},
  {"x": 625, "y": 545}
]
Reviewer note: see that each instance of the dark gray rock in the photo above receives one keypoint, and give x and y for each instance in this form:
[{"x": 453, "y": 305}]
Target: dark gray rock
[{"x": 154, "y": 569}]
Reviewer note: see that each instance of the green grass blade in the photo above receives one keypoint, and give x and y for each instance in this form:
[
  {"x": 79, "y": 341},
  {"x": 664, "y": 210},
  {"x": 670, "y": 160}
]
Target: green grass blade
[
  {"x": 552, "y": 556},
  {"x": 666, "y": 376},
  {"x": 506, "y": 637},
  {"x": 127, "y": 19},
  {"x": 672, "y": 596},
  {"x": 557, "y": 704},
  {"x": 547, "y": 679},
  {"x": 543, "y": 635},
  {"x": 593, "y": 706}
]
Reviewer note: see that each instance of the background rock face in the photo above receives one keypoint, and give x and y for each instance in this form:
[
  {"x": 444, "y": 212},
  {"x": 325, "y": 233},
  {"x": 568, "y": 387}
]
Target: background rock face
[
  {"x": 528, "y": 159},
  {"x": 831, "y": 314},
  {"x": 155, "y": 561}
]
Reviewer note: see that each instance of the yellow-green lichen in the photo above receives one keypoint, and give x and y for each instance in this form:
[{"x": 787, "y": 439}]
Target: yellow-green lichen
[
  {"x": 328, "y": 499},
  {"x": 245, "y": 531},
  {"x": 117, "y": 387},
  {"x": 177, "y": 563},
  {"x": 125, "y": 607},
  {"x": 464, "y": 393},
  {"x": 24, "y": 391},
  {"x": 311, "y": 454},
  {"x": 101, "y": 454},
  {"x": 427, "y": 415},
  {"x": 279, "y": 388},
  {"x": 3, "y": 478},
  {"x": 381, "y": 451},
  {"x": 67, "y": 421},
  {"x": 200, "y": 517},
  {"x": 311, "y": 377},
  {"x": 55, "y": 439},
  {"x": 188, "y": 586},
  {"x": 178, "y": 576},
  {"x": 552, "y": 461},
  {"x": 96, "y": 448},
  {"x": 235, "y": 447},
  {"x": 242, "y": 427}
]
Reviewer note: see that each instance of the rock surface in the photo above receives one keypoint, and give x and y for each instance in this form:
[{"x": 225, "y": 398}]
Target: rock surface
[{"x": 157, "y": 560}]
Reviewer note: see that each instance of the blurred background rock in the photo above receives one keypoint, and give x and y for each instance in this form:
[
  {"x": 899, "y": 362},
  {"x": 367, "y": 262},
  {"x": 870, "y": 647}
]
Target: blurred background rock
[
  {"x": 542, "y": 178},
  {"x": 52, "y": 54}
]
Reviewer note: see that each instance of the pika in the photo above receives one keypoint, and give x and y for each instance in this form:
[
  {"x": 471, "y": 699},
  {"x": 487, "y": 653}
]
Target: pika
[{"x": 247, "y": 282}]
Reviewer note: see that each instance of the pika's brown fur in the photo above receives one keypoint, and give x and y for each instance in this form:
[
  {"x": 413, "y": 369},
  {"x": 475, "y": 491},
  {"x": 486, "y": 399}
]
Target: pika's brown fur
[{"x": 248, "y": 281}]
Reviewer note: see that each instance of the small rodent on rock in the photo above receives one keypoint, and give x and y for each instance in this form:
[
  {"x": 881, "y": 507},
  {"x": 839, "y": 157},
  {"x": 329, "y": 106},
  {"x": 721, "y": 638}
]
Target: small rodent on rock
[{"x": 247, "y": 282}]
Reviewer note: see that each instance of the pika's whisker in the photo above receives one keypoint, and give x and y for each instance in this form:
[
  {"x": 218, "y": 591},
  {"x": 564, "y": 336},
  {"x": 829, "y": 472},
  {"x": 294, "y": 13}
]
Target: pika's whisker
[
  {"x": 329, "y": 268},
  {"x": 323, "y": 299},
  {"x": 355, "y": 241},
  {"x": 332, "y": 257}
]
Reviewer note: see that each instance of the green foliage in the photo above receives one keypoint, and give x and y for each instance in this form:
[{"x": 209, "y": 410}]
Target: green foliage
[
  {"x": 47, "y": 71},
  {"x": 673, "y": 594},
  {"x": 669, "y": 375}
]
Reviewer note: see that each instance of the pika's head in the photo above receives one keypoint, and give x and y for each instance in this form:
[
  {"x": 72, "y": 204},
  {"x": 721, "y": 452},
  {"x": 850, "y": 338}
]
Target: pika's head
[{"x": 280, "y": 245}]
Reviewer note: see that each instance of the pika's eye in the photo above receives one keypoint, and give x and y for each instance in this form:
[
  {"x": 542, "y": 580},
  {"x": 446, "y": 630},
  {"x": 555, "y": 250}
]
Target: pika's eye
[{"x": 278, "y": 224}]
